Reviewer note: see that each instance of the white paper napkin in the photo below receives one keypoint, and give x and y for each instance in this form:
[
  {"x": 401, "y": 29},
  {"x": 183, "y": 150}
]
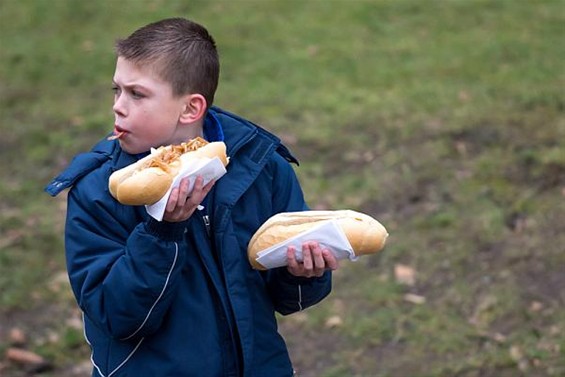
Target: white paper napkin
[
  {"x": 209, "y": 169},
  {"x": 328, "y": 234}
]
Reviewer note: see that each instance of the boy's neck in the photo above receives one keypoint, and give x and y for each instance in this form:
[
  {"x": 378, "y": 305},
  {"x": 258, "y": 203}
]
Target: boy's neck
[{"x": 190, "y": 131}]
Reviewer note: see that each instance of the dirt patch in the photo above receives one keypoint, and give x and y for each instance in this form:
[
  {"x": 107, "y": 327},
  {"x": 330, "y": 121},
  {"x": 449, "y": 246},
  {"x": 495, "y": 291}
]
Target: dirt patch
[{"x": 311, "y": 352}]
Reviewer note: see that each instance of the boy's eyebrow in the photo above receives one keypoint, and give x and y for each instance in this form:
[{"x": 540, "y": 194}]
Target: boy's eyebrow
[{"x": 129, "y": 86}]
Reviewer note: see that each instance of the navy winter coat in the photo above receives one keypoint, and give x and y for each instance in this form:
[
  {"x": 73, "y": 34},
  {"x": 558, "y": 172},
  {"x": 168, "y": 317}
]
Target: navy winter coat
[{"x": 170, "y": 300}]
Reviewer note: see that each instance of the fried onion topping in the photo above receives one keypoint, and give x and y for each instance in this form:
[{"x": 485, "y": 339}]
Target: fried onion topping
[{"x": 171, "y": 153}]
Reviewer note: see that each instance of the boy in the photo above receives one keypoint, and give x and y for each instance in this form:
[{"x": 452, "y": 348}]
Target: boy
[{"x": 178, "y": 297}]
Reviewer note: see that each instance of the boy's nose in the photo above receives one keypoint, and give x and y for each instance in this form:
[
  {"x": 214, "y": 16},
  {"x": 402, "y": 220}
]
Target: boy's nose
[{"x": 119, "y": 107}]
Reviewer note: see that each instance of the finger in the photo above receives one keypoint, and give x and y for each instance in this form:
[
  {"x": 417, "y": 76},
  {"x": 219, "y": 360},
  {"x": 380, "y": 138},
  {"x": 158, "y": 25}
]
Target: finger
[
  {"x": 196, "y": 194},
  {"x": 291, "y": 256},
  {"x": 173, "y": 200},
  {"x": 209, "y": 186},
  {"x": 183, "y": 190},
  {"x": 318, "y": 259},
  {"x": 198, "y": 183},
  {"x": 307, "y": 256},
  {"x": 206, "y": 188},
  {"x": 319, "y": 264},
  {"x": 293, "y": 266},
  {"x": 331, "y": 261}
]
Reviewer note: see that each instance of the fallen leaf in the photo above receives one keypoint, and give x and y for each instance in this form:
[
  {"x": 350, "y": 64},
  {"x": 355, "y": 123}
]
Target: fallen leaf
[
  {"x": 404, "y": 274},
  {"x": 536, "y": 306},
  {"x": 334, "y": 321},
  {"x": 414, "y": 299},
  {"x": 17, "y": 336},
  {"x": 517, "y": 355},
  {"x": 22, "y": 356}
]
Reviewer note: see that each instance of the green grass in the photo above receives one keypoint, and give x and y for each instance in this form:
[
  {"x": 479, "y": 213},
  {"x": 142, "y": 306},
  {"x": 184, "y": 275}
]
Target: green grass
[{"x": 443, "y": 119}]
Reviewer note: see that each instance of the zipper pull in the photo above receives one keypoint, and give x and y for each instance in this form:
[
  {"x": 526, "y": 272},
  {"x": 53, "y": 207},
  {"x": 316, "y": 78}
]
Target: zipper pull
[{"x": 206, "y": 219}]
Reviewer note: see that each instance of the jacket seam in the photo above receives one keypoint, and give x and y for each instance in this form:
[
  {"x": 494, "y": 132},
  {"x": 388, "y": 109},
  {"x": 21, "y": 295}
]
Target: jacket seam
[
  {"x": 92, "y": 353},
  {"x": 127, "y": 358},
  {"x": 159, "y": 297}
]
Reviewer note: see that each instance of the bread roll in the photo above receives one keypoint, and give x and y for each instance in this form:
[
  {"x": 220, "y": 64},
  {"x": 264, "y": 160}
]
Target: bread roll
[{"x": 365, "y": 234}]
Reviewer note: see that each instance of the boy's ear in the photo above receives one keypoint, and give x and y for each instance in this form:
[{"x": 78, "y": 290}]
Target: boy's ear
[{"x": 194, "y": 108}]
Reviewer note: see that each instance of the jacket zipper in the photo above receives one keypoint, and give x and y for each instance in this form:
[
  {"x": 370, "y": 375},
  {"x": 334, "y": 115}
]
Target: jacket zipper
[{"x": 206, "y": 219}]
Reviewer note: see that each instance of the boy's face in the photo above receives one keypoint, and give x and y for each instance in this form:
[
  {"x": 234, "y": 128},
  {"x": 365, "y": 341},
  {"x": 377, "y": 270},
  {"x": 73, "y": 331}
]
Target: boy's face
[{"x": 144, "y": 108}]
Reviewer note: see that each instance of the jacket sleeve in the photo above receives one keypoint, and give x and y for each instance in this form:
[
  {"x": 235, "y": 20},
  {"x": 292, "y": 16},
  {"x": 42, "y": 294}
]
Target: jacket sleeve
[
  {"x": 123, "y": 274},
  {"x": 288, "y": 292}
]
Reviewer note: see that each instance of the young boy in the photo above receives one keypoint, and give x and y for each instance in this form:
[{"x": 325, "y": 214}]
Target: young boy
[{"x": 178, "y": 297}]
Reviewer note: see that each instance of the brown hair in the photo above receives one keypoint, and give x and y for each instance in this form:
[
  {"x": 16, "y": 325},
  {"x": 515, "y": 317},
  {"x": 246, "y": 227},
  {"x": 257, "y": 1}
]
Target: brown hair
[{"x": 182, "y": 53}]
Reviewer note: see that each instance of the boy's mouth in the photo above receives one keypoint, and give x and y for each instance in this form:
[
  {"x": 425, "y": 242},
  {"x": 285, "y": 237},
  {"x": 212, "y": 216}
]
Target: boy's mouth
[{"x": 118, "y": 133}]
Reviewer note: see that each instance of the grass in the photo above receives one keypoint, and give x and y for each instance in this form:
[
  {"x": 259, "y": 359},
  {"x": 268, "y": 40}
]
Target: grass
[{"x": 443, "y": 119}]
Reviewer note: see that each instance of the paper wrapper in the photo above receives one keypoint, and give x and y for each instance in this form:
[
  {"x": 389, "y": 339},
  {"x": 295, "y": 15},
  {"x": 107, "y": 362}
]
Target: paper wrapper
[
  {"x": 328, "y": 234},
  {"x": 209, "y": 169}
]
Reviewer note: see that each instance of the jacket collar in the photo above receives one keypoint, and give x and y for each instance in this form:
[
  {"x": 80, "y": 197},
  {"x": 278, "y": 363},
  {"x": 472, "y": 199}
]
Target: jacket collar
[
  {"x": 249, "y": 148},
  {"x": 213, "y": 130}
]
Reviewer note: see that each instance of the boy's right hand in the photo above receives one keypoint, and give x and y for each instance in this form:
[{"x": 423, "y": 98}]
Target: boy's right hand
[
  {"x": 315, "y": 260},
  {"x": 182, "y": 203}
]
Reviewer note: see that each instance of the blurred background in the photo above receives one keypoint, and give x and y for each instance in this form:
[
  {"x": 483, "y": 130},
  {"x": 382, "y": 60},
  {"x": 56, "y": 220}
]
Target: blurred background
[{"x": 442, "y": 119}]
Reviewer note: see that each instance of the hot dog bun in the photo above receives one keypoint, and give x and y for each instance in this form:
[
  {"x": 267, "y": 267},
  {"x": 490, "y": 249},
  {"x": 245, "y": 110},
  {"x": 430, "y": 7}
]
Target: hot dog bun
[
  {"x": 365, "y": 234},
  {"x": 146, "y": 181}
]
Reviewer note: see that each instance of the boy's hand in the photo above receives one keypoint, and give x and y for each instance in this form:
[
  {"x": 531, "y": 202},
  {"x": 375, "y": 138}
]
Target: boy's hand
[
  {"x": 182, "y": 204},
  {"x": 315, "y": 260}
]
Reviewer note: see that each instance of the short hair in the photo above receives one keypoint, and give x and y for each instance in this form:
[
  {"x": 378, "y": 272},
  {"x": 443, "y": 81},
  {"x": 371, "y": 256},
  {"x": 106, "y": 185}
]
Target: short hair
[{"x": 181, "y": 52}]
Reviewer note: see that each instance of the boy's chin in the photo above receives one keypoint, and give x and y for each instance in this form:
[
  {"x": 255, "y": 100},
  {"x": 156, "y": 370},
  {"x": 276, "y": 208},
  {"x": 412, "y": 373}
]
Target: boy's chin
[{"x": 131, "y": 148}]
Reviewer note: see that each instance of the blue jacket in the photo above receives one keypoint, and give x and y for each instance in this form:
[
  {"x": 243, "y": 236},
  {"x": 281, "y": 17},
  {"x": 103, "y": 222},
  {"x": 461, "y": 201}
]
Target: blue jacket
[{"x": 171, "y": 300}]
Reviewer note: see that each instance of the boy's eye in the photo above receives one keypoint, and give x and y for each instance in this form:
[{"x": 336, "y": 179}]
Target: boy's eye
[{"x": 136, "y": 94}]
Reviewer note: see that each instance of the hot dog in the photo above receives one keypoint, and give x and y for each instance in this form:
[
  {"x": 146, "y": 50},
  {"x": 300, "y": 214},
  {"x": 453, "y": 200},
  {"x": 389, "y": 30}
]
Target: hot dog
[
  {"x": 146, "y": 181},
  {"x": 365, "y": 234}
]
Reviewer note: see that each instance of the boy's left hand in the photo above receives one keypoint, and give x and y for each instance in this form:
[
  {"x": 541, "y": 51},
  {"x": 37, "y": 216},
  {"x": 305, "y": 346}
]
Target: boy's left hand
[
  {"x": 182, "y": 203},
  {"x": 315, "y": 260}
]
